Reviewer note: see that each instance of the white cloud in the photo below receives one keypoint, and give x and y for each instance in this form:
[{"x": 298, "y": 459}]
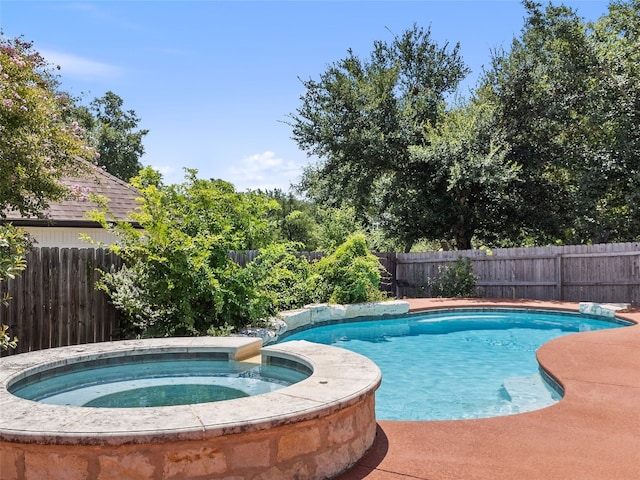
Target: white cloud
[
  {"x": 265, "y": 171},
  {"x": 167, "y": 172},
  {"x": 73, "y": 65}
]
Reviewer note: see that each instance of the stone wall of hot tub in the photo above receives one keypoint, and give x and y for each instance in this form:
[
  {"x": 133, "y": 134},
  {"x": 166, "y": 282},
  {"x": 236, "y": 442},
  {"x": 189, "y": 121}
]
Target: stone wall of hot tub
[
  {"x": 315, "y": 449},
  {"x": 314, "y": 429}
]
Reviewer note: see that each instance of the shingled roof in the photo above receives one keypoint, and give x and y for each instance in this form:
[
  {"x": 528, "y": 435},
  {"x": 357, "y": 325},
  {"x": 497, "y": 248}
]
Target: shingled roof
[{"x": 73, "y": 212}]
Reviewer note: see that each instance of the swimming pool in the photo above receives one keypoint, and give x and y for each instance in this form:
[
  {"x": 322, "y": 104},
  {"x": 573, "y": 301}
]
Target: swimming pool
[{"x": 457, "y": 364}]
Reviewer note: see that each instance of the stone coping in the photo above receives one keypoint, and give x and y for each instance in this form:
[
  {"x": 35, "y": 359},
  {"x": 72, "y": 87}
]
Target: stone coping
[
  {"x": 328, "y": 389},
  {"x": 319, "y": 313}
]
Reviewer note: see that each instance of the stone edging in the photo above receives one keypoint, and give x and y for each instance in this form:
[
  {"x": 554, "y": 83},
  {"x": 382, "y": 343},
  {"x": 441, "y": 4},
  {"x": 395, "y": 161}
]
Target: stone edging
[
  {"x": 319, "y": 313},
  {"x": 607, "y": 310}
]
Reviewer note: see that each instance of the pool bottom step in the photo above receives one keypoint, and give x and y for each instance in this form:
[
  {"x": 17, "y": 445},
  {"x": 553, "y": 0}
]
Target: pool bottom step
[{"x": 528, "y": 393}]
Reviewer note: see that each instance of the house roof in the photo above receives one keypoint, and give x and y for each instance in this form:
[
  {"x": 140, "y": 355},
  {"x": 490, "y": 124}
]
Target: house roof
[{"x": 73, "y": 211}]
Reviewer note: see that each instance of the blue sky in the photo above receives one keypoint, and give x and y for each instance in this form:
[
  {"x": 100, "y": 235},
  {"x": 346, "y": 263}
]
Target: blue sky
[{"x": 214, "y": 81}]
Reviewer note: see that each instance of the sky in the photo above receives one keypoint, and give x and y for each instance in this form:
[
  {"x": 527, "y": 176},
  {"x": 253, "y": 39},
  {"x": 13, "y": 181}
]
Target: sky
[{"x": 214, "y": 82}]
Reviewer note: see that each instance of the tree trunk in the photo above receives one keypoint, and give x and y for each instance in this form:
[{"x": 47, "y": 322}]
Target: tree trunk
[{"x": 463, "y": 240}]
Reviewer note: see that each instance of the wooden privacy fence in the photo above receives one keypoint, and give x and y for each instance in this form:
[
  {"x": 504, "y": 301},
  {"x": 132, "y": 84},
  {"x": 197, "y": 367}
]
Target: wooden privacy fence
[
  {"x": 55, "y": 302},
  {"x": 595, "y": 273}
]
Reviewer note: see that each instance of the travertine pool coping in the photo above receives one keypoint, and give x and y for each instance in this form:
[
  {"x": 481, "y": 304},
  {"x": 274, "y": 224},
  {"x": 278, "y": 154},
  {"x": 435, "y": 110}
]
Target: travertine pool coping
[
  {"x": 326, "y": 390},
  {"x": 593, "y": 433}
]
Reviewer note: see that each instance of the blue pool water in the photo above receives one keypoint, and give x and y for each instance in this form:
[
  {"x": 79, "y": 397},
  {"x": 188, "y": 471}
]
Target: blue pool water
[
  {"x": 169, "y": 379},
  {"x": 456, "y": 364}
]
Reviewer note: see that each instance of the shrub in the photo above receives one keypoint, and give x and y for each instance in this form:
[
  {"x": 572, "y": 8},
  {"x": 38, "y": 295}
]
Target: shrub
[
  {"x": 179, "y": 278},
  {"x": 351, "y": 274},
  {"x": 279, "y": 280},
  {"x": 456, "y": 280},
  {"x": 128, "y": 294}
]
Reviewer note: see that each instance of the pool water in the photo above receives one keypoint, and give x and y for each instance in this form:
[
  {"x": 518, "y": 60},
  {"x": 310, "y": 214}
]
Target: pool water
[
  {"x": 457, "y": 364},
  {"x": 127, "y": 383}
]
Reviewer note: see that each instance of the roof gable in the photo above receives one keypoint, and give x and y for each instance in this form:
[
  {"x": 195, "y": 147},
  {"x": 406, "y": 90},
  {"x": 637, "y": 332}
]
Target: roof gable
[{"x": 73, "y": 211}]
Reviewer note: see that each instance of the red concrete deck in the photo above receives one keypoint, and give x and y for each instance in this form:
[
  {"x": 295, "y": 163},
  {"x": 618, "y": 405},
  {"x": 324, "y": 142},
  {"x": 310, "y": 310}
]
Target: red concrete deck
[{"x": 592, "y": 433}]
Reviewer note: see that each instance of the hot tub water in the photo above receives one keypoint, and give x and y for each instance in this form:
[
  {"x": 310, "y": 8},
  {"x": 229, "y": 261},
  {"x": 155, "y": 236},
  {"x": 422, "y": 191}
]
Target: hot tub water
[{"x": 169, "y": 379}]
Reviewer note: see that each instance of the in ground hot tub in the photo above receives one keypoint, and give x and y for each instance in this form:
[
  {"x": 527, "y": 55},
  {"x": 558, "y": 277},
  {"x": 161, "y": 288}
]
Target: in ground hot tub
[
  {"x": 314, "y": 428},
  {"x": 149, "y": 379}
]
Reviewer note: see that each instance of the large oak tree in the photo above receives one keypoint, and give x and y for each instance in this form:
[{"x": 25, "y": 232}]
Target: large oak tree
[
  {"x": 567, "y": 99},
  {"x": 363, "y": 117}
]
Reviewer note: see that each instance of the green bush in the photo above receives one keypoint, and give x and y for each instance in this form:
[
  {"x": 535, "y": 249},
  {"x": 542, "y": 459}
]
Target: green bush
[
  {"x": 279, "y": 280},
  {"x": 282, "y": 280},
  {"x": 457, "y": 280},
  {"x": 161, "y": 297},
  {"x": 179, "y": 278},
  {"x": 351, "y": 274},
  {"x": 141, "y": 317}
]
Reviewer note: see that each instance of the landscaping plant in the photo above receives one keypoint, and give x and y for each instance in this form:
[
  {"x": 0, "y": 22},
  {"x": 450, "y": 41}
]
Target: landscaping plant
[
  {"x": 279, "y": 279},
  {"x": 351, "y": 274},
  {"x": 456, "y": 280},
  {"x": 178, "y": 278}
]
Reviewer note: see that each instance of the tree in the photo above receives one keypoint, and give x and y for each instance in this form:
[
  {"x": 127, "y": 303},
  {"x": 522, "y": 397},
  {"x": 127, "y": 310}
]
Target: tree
[
  {"x": 336, "y": 226},
  {"x": 567, "y": 102},
  {"x": 539, "y": 87},
  {"x": 361, "y": 118},
  {"x": 294, "y": 219},
  {"x": 37, "y": 147},
  {"x": 616, "y": 96},
  {"x": 299, "y": 226},
  {"x": 457, "y": 185},
  {"x": 392, "y": 150},
  {"x": 115, "y": 136}
]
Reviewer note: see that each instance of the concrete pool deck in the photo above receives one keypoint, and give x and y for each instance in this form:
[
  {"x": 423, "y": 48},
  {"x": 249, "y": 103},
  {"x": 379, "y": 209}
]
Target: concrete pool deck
[{"x": 592, "y": 433}]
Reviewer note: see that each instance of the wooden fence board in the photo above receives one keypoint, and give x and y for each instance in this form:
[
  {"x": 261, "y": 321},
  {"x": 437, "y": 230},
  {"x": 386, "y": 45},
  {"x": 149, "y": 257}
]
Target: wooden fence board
[
  {"x": 19, "y": 293},
  {"x": 72, "y": 294},
  {"x": 388, "y": 277},
  {"x": 46, "y": 295},
  {"x": 35, "y": 293},
  {"x": 54, "y": 296},
  {"x": 63, "y": 302}
]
